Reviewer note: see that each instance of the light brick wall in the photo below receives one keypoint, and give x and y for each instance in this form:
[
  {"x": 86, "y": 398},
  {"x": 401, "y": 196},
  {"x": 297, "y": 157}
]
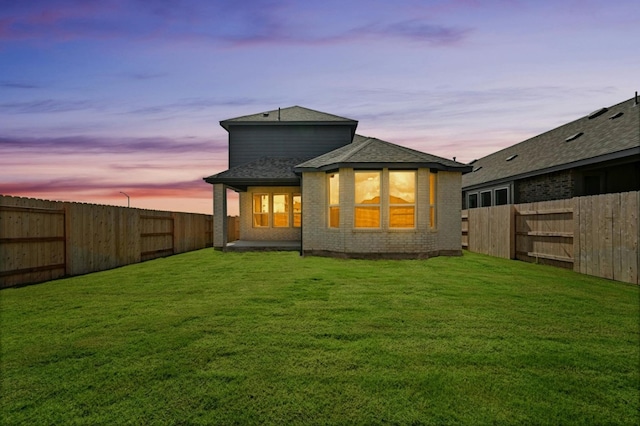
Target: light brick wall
[
  {"x": 418, "y": 242},
  {"x": 270, "y": 233},
  {"x": 316, "y": 234},
  {"x": 449, "y": 206},
  {"x": 219, "y": 215}
]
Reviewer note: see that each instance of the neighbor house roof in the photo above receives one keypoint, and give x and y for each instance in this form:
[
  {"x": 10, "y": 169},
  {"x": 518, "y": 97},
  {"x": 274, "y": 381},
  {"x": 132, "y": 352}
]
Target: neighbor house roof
[
  {"x": 366, "y": 152},
  {"x": 291, "y": 115},
  {"x": 265, "y": 171},
  {"x": 605, "y": 134}
]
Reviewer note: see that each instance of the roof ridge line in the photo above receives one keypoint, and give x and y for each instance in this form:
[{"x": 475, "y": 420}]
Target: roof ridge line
[
  {"x": 414, "y": 151},
  {"x": 357, "y": 149}
]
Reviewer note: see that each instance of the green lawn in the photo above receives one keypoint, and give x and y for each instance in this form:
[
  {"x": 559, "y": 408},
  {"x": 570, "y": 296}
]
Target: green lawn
[{"x": 273, "y": 338}]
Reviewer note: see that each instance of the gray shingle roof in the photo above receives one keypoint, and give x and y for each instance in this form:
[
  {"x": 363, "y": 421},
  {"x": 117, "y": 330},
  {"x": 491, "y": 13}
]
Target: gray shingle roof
[
  {"x": 264, "y": 171},
  {"x": 591, "y": 139},
  {"x": 366, "y": 152},
  {"x": 290, "y": 115}
]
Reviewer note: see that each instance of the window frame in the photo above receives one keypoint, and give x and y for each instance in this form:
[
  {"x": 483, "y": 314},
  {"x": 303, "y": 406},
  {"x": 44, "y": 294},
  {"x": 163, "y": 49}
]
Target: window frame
[
  {"x": 286, "y": 214},
  {"x": 392, "y": 205},
  {"x": 296, "y": 223},
  {"x": 261, "y": 213},
  {"x": 367, "y": 206},
  {"x": 333, "y": 206},
  {"x": 482, "y": 203},
  {"x": 495, "y": 196},
  {"x": 476, "y": 199},
  {"x": 433, "y": 200}
]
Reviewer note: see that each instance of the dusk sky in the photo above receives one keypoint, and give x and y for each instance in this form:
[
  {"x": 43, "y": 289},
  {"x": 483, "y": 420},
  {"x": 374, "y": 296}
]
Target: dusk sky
[{"x": 98, "y": 97}]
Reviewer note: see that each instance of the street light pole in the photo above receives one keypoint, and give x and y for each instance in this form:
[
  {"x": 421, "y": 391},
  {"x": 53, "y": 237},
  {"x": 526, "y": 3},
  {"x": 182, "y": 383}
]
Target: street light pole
[{"x": 128, "y": 199}]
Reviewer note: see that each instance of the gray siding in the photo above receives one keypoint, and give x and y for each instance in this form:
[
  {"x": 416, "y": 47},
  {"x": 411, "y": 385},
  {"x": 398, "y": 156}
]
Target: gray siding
[{"x": 251, "y": 142}]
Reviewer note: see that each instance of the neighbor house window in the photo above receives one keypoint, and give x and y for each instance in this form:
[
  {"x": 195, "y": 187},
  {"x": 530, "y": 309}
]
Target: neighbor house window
[
  {"x": 433, "y": 181},
  {"x": 280, "y": 210},
  {"x": 260, "y": 210},
  {"x": 485, "y": 199},
  {"x": 402, "y": 199},
  {"x": 334, "y": 200},
  {"x": 367, "y": 201},
  {"x": 297, "y": 210},
  {"x": 501, "y": 196},
  {"x": 473, "y": 201}
]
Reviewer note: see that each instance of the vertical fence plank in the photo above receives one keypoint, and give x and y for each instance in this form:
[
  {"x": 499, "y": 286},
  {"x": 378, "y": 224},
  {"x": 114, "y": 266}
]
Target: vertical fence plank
[
  {"x": 575, "y": 227},
  {"x": 630, "y": 257}
]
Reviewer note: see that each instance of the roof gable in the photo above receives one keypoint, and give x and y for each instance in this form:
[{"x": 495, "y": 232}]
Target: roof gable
[
  {"x": 366, "y": 152},
  {"x": 606, "y": 133},
  {"x": 291, "y": 115}
]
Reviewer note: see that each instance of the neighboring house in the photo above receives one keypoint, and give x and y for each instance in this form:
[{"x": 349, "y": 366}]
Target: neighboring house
[
  {"x": 305, "y": 177},
  {"x": 596, "y": 154}
]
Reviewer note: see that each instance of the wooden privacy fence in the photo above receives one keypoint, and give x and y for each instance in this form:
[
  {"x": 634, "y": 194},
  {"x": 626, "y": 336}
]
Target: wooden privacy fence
[
  {"x": 42, "y": 240},
  {"x": 233, "y": 228},
  {"x": 596, "y": 235}
]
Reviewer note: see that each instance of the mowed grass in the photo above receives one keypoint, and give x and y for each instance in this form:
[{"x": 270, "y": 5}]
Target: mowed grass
[{"x": 274, "y": 338}]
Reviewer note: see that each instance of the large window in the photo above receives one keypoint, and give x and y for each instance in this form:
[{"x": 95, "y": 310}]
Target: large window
[
  {"x": 260, "y": 210},
  {"x": 275, "y": 210},
  {"x": 281, "y": 210},
  {"x": 402, "y": 199},
  {"x": 297, "y": 210},
  {"x": 367, "y": 201},
  {"x": 334, "y": 200},
  {"x": 433, "y": 194}
]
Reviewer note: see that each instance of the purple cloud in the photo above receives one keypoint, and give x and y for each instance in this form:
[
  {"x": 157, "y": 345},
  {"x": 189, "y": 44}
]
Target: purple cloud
[
  {"x": 236, "y": 24},
  {"x": 75, "y": 144},
  {"x": 194, "y": 104},
  {"x": 46, "y": 106},
  {"x": 418, "y": 30},
  {"x": 18, "y": 85}
]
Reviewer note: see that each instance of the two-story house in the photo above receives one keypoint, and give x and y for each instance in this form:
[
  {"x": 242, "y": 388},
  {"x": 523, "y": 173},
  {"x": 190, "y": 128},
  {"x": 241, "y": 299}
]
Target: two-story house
[{"x": 306, "y": 178}]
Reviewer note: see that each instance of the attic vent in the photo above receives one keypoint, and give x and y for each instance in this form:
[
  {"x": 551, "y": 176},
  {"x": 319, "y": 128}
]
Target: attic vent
[
  {"x": 512, "y": 157},
  {"x": 597, "y": 113},
  {"x": 472, "y": 161},
  {"x": 616, "y": 115},
  {"x": 476, "y": 169},
  {"x": 574, "y": 137},
  {"x": 265, "y": 114}
]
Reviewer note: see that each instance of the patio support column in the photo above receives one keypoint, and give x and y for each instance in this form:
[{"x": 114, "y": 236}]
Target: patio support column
[{"x": 219, "y": 216}]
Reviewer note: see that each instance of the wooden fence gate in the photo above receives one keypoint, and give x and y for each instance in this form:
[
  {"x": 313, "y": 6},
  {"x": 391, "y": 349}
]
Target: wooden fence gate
[
  {"x": 596, "y": 235},
  {"x": 33, "y": 242}
]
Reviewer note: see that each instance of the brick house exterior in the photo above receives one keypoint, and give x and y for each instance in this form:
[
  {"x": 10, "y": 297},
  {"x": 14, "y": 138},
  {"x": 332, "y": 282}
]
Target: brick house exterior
[
  {"x": 596, "y": 154},
  {"x": 285, "y": 194}
]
